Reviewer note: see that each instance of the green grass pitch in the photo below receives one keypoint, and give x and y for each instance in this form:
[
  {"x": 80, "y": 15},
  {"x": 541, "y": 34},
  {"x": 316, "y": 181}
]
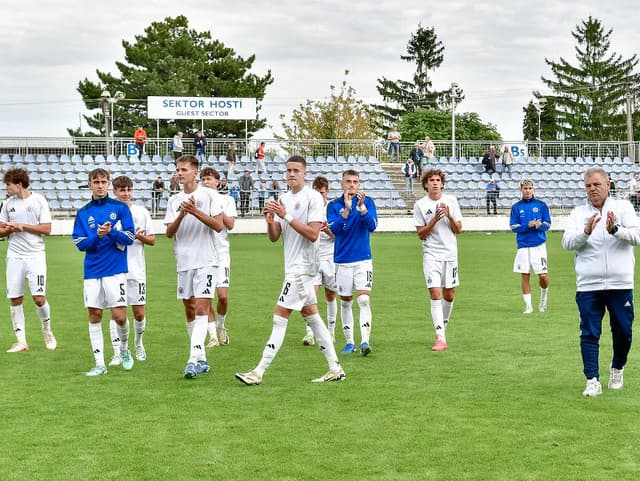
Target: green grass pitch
[{"x": 503, "y": 403}]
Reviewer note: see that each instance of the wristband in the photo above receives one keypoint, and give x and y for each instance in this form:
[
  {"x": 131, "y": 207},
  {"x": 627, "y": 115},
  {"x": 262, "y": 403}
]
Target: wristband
[
  {"x": 361, "y": 208},
  {"x": 288, "y": 218}
]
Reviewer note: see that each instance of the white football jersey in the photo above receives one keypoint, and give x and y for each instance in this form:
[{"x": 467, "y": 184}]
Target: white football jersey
[
  {"x": 33, "y": 210},
  {"x": 441, "y": 244},
  {"x": 325, "y": 243},
  {"x": 135, "y": 252},
  {"x": 300, "y": 254},
  {"x": 221, "y": 239},
  {"x": 193, "y": 244}
]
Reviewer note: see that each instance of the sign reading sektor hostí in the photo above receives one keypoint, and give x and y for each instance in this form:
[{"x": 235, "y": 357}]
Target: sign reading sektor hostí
[{"x": 219, "y": 108}]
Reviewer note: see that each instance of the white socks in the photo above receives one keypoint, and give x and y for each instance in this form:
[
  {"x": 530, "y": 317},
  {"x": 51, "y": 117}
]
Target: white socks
[
  {"x": 347, "y": 320},
  {"x": 447, "y": 307},
  {"x": 273, "y": 344},
  {"x": 17, "y": 319},
  {"x": 97, "y": 342},
  {"x": 198, "y": 336},
  {"x": 123, "y": 334},
  {"x": 115, "y": 337},
  {"x": 332, "y": 314},
  {"x": 139, "y": 327},
  {"x": 44, "y": 313},
  {"x": 323, "y": 339},
  {"x": 220, "y": 318},
  {"x": 119, "y": 336},
  {"x": 365, "y": 317},
  {"x": 543, "y": 298},
  {"x": 438, "y": 318},
  {"x": 527, "y": 301}
]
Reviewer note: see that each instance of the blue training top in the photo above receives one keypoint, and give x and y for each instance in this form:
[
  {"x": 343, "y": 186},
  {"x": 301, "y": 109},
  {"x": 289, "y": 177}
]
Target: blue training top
[
  {"x": 106, "y": 256},
  {"x": 522, "y": 213},
  {"x": 351, "y": 234}
]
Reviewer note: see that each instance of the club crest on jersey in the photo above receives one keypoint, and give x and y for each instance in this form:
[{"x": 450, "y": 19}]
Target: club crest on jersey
[
  {"x": 113, "y": 216},
  {"x": 30, "y": 209},
  {"x": 535, "y": 209}
]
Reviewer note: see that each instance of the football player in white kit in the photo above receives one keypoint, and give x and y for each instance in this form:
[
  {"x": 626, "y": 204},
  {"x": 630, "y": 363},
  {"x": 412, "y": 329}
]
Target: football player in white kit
[
  {"x": 327, "y": 270},
  {"x": 438, "y": 220},
  {"x": 137, "y": 275},
  {"x": 297, "y": 217},
  {"x": 25, "y": 218},
  {"x": 217, "y": 331},
  {"x": 190, "y": 217}
]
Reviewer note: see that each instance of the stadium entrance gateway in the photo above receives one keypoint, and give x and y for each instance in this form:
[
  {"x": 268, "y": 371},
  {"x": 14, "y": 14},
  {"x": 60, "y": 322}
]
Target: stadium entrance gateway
[{"x": 201, "y": 108}]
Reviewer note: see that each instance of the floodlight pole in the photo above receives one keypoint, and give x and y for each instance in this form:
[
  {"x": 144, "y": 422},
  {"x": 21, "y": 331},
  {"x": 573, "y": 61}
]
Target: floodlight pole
[
  {"x": 454, "y": 86},
  {"x": 106, "y": 113},
  {"x": 539, "y": 104}
]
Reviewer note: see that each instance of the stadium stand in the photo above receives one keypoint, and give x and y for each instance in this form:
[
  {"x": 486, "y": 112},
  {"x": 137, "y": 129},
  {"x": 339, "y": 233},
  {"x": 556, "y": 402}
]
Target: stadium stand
[{"x": 63, "y": 179}]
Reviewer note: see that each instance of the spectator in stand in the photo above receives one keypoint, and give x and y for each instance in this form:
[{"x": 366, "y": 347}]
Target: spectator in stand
[
  {"x": 634, "y": 191},
  {"x": 223, "y": 187},
  {"x": 489, "y": 160},
  {"x": 235, "y": 193},
  {"x": 417, "y": 154},
  {"x": 174, "y": 184},
  {"x": 612, "y": 189},
  {"x": 275, "y": 190},
  {"x": 493, "y": 193},
  {"x": 140, "y": 137},
  {"x": 262, "y": 195},
  {"x": 429, "y": 150},
  {"x": 246, "y": 187},
  {"x": 200, "y": 144},
  {"x": 231, "y": 157},
  {"x": 394, "y": 144},
  {"x": 409, "y": 171},
  {"x": 507, "y": 159},
  {"x": 158, "y": 190},
  {"x": 260, "y": 167},
  {"x": 177, "y": 146}
]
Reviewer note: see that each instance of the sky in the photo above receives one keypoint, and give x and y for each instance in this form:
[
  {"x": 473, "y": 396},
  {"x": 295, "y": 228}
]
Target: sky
[{"x": 495, "y": 50}]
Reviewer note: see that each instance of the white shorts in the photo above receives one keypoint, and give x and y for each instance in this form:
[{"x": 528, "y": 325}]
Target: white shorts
[
  {"x": 326, "y": 275},
  {"x": 106, "y": 292},
  {"x": 440, "y": 273},
  {"x": 199, "y": 283},
  {"x": 528, "y": 258},
  {"x": 223, "y": 275},
  {"x": 136, "y": 292},
  {"x": 297, "y": 292},
  {"x": 33, "y": 270},
  {"x": 358, "y": 275}
]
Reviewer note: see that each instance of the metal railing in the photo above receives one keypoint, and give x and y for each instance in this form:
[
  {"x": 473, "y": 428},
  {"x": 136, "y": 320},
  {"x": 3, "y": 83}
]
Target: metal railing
[{"x": 318, "y": 147}]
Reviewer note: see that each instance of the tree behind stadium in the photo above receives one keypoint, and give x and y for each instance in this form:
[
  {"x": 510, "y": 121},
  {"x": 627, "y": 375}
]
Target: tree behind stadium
[
  {"x": 401, "y": 96},
  {"x": 589, "y": 98},
  {"x": 172, "y": 60}
]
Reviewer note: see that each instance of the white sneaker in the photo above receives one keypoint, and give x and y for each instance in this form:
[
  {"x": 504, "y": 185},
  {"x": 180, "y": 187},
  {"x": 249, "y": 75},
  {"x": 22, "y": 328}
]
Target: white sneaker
[
  {"x": 528, "y": 310},
  {"x": 18, "y": 347},
  {"x": 331, "y": 376},
  {"x": 616, "y": 381},
  {"x": 250, "y": 378},
  {"x": 49, "y": 341},
  {"x": 115, "y": 360},
  {"x": 543, "y": 306},
  {"x": 308, "y": 340},
  {"x": 223, "y": 336},
  {"x": 213, "y": 342},
  {"x": 594, "y": 388},
  {"x": 141, "y": 354}
]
